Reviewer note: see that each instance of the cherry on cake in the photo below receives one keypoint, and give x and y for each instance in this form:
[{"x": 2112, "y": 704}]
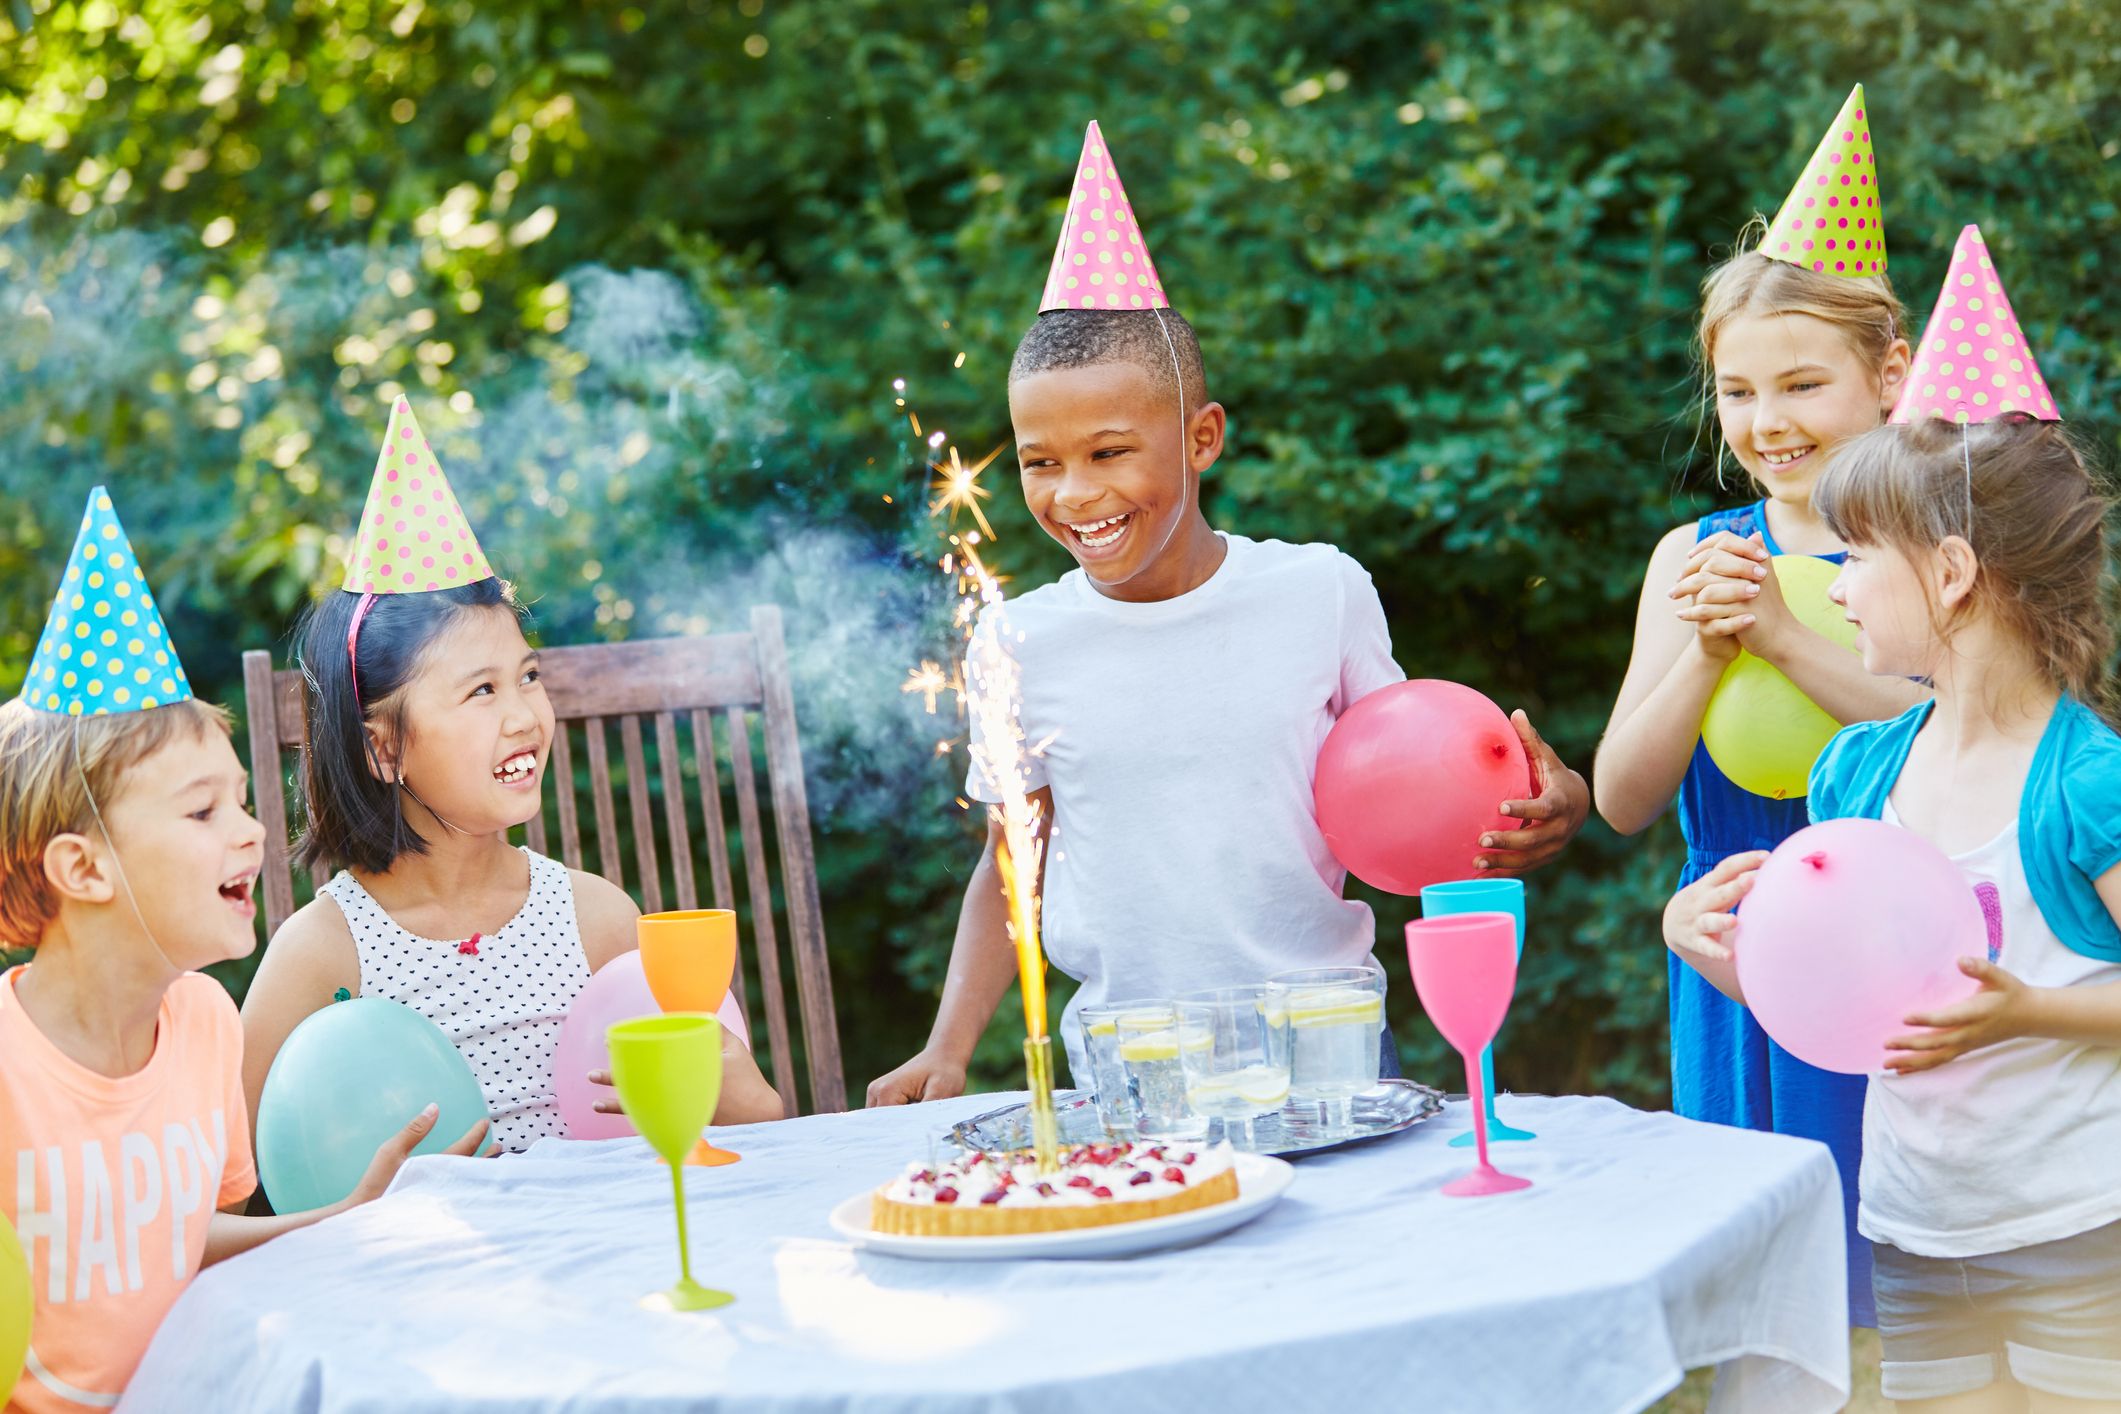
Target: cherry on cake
[{"x": 999, "y": 1194}]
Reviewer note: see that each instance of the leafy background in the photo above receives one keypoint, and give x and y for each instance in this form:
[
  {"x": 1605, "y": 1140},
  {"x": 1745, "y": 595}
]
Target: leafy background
[{"x": 649, "y": 272}]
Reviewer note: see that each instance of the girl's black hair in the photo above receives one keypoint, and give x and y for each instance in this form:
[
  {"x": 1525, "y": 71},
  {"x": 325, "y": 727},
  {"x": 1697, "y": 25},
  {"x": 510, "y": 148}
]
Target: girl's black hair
[{"x": 350, "y": 817}]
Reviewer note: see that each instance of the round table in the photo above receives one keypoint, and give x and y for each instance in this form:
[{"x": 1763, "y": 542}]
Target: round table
[{"x": 1649, "y": 1244}]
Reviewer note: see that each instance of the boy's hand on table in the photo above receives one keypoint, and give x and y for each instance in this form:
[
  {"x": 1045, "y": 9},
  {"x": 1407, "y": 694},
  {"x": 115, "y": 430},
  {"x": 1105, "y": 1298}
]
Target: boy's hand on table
[
  {"x": 927, "y": 1076},
  {"x": 1990, "y": 1015},
  {"x": 1551, "y": 818}
]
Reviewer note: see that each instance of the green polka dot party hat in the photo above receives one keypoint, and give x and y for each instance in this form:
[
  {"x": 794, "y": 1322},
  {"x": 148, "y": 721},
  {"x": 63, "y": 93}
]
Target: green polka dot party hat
[
  {"x": 413, "y": 536},
  {"x": 1830, "y": 222},
  {"x": 104, "y": 648}
]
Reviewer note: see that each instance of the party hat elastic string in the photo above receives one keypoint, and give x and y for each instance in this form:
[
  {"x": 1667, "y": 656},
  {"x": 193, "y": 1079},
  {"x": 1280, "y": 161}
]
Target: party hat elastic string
[
  {"x": 116, "y": 863},
  {"x": 1185, "y": 462},
  {"x": 1966, "y": 459}
]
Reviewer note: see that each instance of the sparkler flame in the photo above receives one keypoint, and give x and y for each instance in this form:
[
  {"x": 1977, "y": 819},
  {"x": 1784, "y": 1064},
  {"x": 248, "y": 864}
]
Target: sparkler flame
[{"x": 994, "y": 692}]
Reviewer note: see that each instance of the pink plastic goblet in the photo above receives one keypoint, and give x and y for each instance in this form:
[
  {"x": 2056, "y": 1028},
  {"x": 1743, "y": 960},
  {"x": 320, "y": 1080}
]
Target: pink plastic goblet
[{"x": 1465, "y": 968}]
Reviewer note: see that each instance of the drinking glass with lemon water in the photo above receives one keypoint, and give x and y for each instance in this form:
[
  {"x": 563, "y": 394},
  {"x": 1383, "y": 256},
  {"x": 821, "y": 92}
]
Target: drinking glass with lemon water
[
  {"x": 1336, "y": 1018},
  {"x": 1239, "y": 1072},
  {"x": 1116, "y": 1108},
  {"x": 1152, "y": 1042}
]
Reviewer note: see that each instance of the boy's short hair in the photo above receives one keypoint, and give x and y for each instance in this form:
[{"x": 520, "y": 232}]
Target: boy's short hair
[
  {"x": 1147, "y": 338},
  {"x": 41, "y": 795}
]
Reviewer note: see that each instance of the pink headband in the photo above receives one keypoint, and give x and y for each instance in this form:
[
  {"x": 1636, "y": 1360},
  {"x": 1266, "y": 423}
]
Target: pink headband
[{"x": 353, "y": 634}]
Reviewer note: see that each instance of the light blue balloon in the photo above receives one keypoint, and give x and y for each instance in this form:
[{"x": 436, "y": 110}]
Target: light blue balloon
[{"x": 346, "y": 1079}]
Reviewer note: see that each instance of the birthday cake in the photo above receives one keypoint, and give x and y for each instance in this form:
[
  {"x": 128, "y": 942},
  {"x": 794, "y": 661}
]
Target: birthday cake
[{"x": 995, "y": 1194}]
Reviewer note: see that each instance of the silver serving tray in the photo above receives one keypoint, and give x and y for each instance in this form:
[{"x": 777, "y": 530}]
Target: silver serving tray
[{"x": 1388, "y": 1108}]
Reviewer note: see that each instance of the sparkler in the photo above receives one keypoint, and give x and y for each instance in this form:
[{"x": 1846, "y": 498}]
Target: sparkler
[
  {"x": 988, "y": 688},
  {"x": 1002, "y": 755}
]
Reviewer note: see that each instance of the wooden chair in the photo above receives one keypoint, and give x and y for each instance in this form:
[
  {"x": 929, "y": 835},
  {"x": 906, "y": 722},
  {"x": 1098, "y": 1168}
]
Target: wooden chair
[{"x": 663, "y": 683}]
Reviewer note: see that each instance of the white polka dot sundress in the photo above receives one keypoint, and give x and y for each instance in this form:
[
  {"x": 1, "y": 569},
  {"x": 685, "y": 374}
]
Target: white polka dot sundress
[{"x": 500, "y": 999}]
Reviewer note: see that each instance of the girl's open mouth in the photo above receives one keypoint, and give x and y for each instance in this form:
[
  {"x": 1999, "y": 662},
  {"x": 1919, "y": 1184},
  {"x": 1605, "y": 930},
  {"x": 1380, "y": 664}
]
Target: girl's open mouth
[
  {"x": 1784, "y": 458},
  {"x": 521, "y": 767}
]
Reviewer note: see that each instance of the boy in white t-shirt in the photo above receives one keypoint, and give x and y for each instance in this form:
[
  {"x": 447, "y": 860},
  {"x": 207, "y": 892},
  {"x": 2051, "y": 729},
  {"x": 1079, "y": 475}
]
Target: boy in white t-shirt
[{"x": 1186, "y": 679}]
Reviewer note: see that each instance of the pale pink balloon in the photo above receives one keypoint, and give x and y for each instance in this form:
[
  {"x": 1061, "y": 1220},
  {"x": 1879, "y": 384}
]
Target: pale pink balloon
[
  {"x": 1851, "y": 926},
  {"x": 617, "y": 992}
]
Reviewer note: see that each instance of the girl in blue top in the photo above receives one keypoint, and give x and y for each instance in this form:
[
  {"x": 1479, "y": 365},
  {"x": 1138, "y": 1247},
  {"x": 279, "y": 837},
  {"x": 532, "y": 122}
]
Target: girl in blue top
[
  {"x": 1988, "y": 1181},
  {"x": 1799, "y": 361}
]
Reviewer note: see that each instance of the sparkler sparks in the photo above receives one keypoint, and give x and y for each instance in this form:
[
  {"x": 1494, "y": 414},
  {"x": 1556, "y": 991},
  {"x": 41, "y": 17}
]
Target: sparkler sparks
[
  {"x": 988, "y": 688},
  {"x": 928, "y": 681},
  {"x": 957, "y": 488}
]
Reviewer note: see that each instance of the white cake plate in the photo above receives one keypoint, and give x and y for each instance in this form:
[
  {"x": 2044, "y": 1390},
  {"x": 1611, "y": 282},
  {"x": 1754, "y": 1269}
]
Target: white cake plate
[{"x": 1261, "y": 1180}]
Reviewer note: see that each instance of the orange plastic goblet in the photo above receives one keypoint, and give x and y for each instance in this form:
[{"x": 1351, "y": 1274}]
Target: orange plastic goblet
[{"x": 688, "y": 956}]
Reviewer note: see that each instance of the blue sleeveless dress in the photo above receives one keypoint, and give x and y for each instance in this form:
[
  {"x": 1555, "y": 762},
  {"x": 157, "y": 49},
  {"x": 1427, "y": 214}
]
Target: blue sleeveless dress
[{"x": 1724, "y": 1068}]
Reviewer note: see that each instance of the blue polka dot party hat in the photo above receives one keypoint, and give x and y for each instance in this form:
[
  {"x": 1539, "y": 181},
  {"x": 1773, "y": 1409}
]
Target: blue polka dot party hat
[{"x": 104, "y": 648}]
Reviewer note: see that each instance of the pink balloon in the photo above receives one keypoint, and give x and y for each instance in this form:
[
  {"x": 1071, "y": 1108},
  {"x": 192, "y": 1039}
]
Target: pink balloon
[
  {"x": 1411, "y": 777},
  {"x": 1850, "y": 926},
  {"x": 617, "y": 992}
]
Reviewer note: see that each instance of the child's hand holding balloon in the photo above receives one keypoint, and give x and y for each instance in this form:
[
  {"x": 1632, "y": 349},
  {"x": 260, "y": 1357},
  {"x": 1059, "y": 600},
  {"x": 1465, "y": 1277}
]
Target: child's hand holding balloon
[
  {"x": 1995, "y": 1013},
  {"x": 392, "y": 1153},
  {"x": 1701, "y": 916},
  {"x": 1551, "y": 818}
]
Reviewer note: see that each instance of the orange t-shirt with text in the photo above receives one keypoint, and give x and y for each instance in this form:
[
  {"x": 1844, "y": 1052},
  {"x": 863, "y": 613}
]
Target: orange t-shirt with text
[{"x": 111, "y": 1182}]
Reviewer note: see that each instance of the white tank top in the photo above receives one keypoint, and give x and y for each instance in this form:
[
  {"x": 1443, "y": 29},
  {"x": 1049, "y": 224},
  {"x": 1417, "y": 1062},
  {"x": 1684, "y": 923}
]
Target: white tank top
[
  {"x": 2012, "y": 1145},
  {"x": 500, "y": 1000}
]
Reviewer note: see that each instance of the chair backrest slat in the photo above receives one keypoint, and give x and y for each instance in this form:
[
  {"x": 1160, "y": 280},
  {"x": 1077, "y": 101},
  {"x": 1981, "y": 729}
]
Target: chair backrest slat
[
  {"x": 267, "y": 787},
  {"x": 760, "y": 889},
  {"x": 711, "y": 790},
  {"x": 608, "y": 861},
  {"x": 806, "y": 914},
  {"x": 703, "y": 754},
  {"x": 643, "y": 819},
  {"x": 666, "y": 751},
  {"x": 688, "y": 680},
  {"x": 570, "y": 821}
]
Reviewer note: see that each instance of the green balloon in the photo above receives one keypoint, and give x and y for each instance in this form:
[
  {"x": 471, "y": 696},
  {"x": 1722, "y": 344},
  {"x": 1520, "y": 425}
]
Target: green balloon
[
  {"x": 17, "y": 1304},
  {"x": 1760, "y": 728},
  {"x": 346, "y": 1079}
]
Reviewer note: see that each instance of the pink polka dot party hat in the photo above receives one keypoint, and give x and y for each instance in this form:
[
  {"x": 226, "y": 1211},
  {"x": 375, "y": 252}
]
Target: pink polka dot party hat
[
  {"x": 104, "y": 649},
  {"x": 413, "y": 536},
  {"x": 1100, "y": 261},
  {"x": 1830, "y": 221},
  {"x": 1973, "y": 363}
]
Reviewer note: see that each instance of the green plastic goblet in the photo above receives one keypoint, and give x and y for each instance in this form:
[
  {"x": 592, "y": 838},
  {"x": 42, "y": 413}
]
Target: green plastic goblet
[{"x": 668, "y": 1072}]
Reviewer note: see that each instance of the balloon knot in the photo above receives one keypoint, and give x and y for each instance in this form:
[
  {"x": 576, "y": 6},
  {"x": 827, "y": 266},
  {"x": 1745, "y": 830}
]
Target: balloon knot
[
  {"x": 1499, "y": 751},
  {"x": 1816, "y": 860}
]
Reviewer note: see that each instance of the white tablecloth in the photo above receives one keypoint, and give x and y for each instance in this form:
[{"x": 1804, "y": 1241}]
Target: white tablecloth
[{"x": 1649, "y": 1245}]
